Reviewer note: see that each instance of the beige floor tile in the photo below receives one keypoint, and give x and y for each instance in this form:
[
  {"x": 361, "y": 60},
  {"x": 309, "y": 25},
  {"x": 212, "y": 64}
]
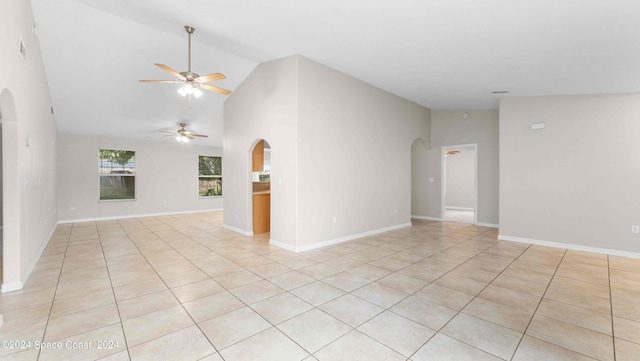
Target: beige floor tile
[
  {"x": 487, "y": 336},
  {"x": 237, "y": 279},
  {"x": 474, "y": 274},
  {"x": 100, "y": 343},
  {"x": 391, "y": 264},
  {"x": 172, "y": 346},
  {"x": 599, "y": 276},
  {"x": 265, "y": 346},
  {"x": 24, "y": 332},
  {"x": 357, "y": 346},
  {"x": 381, "y": 295},
  {"x": 297, "y": 262},
  {"x": 270, "y": 270},
  {"x": 317, "y": 293},
  {"x": 581, "y": 287},
  {"x": 135, "y": 307},
  {"x": 351, "y": 310},
  {"x": 404, "y": 283},
  {"x": 256, "y": 291},
  {"x": 511, "y": 298},
  {"x": 370, "y": 272},
  {"x": 575, "y": 338},
  {"x": 626, "y": 329},
  {"x": 520, "y": 285},
  {"x": 175, "y": 279},
  {"x": 625, "y": 279},
  {"x": 132, "y": 290},
  {"x": 503, "y": 315},
  {"x": 596, "y": 321},
  {"x": 28, "y": 355},
  {"x": 346, "y": 281},
  {"x": 400, "y": 334},
  {"x": 80, "y": 322},
  {"x": 444, "y": 296},
  {"x": 424, "y": 312},
  {"x": 313, "y": 329},
  {"x": 319, "y": 270},
  {"x": 235, "y": 326},
  {"x": 624, "y": 263},
  {"x": 193, "y": 291},
  {"x": 445, "y": 348},
  {"x": 291, "y": 280},
  {"x": 579, "y": 298},
  {"x": 626, "y": 351},
  {"x": 461, "y": 284},
  {"x": 280, "y": 308},
  {"x": 532, "y": 348},
  {"x": 208, "y": 307},
  {"x": 156, "y": 324}
]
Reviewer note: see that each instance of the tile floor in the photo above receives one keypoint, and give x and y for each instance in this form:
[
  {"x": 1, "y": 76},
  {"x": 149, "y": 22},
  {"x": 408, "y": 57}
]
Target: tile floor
[
  {"x": 184, "y": 288},
  {"x": 458, "y": 215}
]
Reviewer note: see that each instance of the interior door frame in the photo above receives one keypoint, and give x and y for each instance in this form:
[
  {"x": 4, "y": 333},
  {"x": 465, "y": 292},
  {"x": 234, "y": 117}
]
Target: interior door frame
[{"x": 443, "y": 178}]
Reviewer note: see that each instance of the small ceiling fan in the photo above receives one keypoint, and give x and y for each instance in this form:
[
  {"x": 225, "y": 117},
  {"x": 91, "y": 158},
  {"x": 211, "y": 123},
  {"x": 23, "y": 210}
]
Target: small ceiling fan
[
  {"x": 183, "y": 135},
  {"x": 192, "y": 81}
]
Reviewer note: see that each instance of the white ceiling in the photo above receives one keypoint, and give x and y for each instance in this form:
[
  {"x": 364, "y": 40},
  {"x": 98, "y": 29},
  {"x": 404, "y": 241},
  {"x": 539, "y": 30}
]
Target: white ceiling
[{"x": 443, "y": 54}]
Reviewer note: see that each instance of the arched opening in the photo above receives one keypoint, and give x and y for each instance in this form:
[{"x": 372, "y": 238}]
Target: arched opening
[
  {"x": 10, "y": 215},
  {"x": 261, "y": 189}
]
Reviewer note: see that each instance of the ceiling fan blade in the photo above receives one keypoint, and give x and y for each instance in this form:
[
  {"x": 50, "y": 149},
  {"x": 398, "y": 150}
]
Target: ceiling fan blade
[
  {"x": 170, "y": 71},
  {"x": 210, "y": 77},
  {"x": 215, "y": 89},
  {"x": 168, "y": 132},
  {"x": 199, "y": 135},
  {"x": 160, "y": 81}
]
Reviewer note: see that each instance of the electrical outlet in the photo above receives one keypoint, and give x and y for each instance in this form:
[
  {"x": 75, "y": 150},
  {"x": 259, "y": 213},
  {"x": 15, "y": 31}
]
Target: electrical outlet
[{"x": 635, "y": 229}]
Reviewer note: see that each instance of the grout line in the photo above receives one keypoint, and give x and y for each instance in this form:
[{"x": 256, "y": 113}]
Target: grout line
[{"x": 613, "y": 330}]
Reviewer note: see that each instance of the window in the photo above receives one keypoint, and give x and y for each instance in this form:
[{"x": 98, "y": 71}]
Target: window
[
  {"x": 117, "y": 170},
  {"x": 209, "y": 176}
]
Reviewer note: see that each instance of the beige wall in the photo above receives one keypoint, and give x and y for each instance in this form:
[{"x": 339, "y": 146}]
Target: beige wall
[
  {"x": 460, "y": 179},
  {"x": 354, "y": 155},
  {"x": 263, "y": 107},
  {"x": 29, "y": 200},
  {"x": 339, "y": 147},
  {"x": 577, "y": 181},
  {"x": 166, "y": 178},
  {"x": 449, "y": 127}
]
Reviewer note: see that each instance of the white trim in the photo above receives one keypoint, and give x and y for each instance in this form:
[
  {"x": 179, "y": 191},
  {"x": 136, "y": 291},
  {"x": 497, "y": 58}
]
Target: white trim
[
  {"x": 428, "y": 218},
  {"x": 490, "y": 225},
  {"x": 286, "y": 246},
  {"x": 574, "y": 247},
  {"x": 1, "y": 321},
  {"x": 337, "y": 240},
  {"x": 9, "y": 287},
  {"x": 460, "y": 208},
  {"x": 237, "y": 230},
  {"x": 64, "y": 221}
]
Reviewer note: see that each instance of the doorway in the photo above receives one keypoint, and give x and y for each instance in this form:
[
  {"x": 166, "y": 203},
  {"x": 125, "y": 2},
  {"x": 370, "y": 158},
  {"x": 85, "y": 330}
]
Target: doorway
[
  {"x": 459, "y": 183},
  {"x": 261, "y": 189}
]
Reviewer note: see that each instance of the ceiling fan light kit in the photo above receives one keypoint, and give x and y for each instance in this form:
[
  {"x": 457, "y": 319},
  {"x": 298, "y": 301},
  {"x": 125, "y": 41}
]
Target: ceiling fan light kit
[
  {"x": 191, "y": 82},
  {"x": 183, "y": 135}
]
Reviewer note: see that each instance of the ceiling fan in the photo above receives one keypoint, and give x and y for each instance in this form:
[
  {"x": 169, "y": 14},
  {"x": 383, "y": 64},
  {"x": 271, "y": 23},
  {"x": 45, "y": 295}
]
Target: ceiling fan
[
  {"x": 451, "y": 152},
  {"x": 183, "y": 135},
  {"x": 192, "y": 81}
]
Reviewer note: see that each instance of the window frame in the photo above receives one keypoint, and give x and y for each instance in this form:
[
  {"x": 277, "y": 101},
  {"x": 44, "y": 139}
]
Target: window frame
[
  {"x": 117, "y": 174},
  {"x": 210, "y": 176}
]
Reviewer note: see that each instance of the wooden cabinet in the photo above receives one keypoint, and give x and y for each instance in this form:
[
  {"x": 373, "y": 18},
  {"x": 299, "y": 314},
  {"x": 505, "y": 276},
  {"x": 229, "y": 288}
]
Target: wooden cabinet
[
  {"x": 261, "y": 212},
  {"x": 258, "y": 157}
]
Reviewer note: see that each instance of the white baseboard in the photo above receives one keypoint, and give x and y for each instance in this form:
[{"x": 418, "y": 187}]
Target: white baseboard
[
  {"x": 9, "y": 287},
  {"x": 460, "y": 208},
  {"x": 428, "y": 218},
  {"x": 237, "y": 230},
  {"x": 110, "y": 218},
  {"x": 286, "y": 246},
  {"x": 490, "y": 225},
  {"x": 331, "y": 242},
  {"x": 570, "y": 246}
]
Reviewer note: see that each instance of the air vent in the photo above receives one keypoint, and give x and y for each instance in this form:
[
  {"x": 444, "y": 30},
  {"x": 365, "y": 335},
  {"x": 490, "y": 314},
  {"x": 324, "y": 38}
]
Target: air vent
[{"x": 22, "y": 50}]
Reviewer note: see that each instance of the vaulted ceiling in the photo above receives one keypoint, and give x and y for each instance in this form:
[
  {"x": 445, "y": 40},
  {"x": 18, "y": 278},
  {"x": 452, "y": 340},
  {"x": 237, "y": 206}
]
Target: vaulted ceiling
[{"x": 443, "y": 54}]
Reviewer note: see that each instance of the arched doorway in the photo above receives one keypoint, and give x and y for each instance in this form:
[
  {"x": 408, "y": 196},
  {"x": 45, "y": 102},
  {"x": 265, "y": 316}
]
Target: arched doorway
[{"x": 261, "y": 189}]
